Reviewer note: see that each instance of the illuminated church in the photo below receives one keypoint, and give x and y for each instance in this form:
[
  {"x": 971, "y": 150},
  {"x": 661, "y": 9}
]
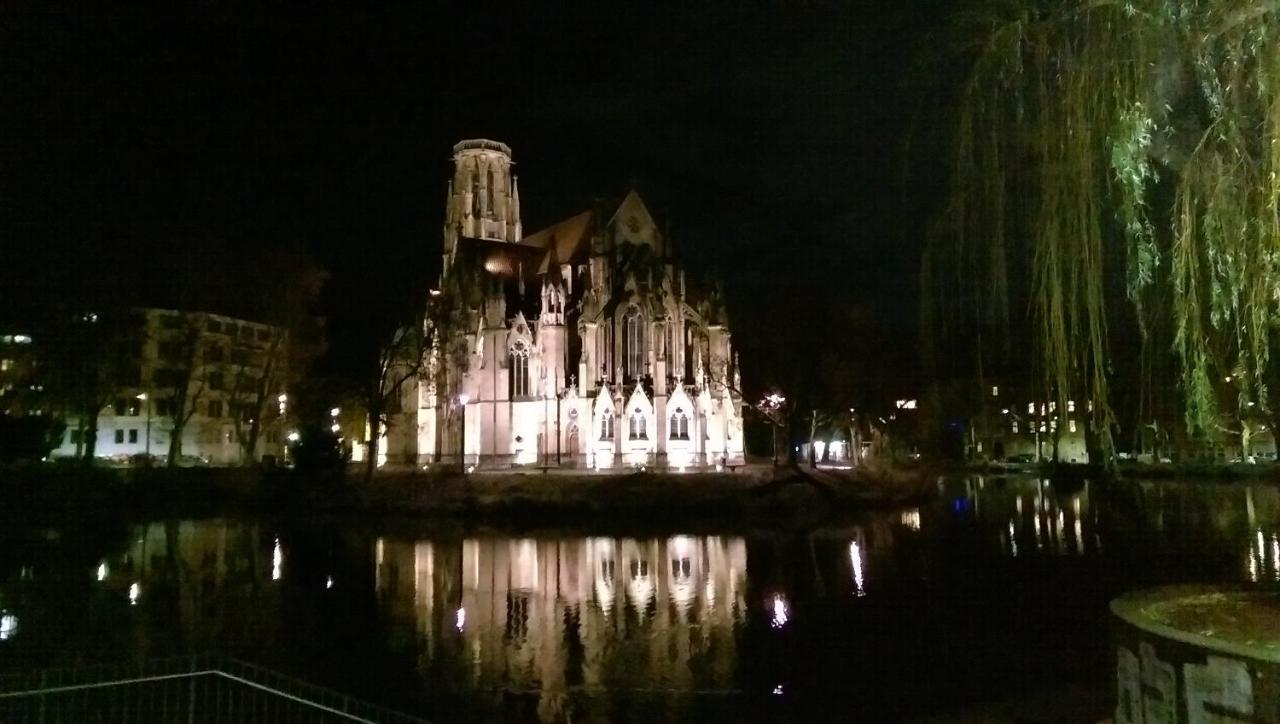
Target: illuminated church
[{"x": 581, "y": 344}]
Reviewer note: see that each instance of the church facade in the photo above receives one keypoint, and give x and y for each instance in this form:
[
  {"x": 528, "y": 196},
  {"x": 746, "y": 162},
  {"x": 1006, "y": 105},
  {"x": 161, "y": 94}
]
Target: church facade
[{"x": 579, "y": 345}]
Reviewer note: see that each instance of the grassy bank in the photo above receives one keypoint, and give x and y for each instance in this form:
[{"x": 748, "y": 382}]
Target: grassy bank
[{"x": 755, "y": 496}]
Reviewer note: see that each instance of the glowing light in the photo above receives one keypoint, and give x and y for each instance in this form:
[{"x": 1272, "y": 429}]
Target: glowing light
[
  {"x": 1275, "y": 557},
  {"x": 102, "y": 571},
  {"x": 328, "y": 583},
  {"x": 334, "y": 427},
  {"x": 293, "y": 436},
  {"x": 777, "y": 690},
  {"x": 464, "y": 398},
  {"x": 1013, "y": 541},
  {"x": 8, "y": 626},
  {"x": 906, "y": 404},
  {"x": 855, "y": 557},
  {"x": 911, "y": 518},
  {"x": 780, "y": 616},
  {"x": 135, "y": 593},
  {"x": 142, "y": 396},
  {"x": 471, "y": 468},
  {"x": 335, "y": 412},
  {"x": 460, "y": 619},
  {"x": 277, "y": 560}
]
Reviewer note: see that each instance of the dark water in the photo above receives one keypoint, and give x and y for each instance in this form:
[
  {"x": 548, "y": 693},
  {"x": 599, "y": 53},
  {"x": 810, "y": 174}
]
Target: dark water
[{"x": 994, "y": 593}]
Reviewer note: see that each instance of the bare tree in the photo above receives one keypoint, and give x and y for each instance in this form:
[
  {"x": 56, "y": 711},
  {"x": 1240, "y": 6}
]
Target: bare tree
[
  {"x": 89, "y": 357},
  {"x": 402, "y": 359},
  {"x": 258, "y": 379},
  {"x": 181, "y": 374}
]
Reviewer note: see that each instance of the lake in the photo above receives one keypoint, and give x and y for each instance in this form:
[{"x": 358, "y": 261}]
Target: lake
[{"x": 992, "y": 598}]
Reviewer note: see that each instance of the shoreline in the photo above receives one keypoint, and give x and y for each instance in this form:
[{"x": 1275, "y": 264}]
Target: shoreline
[
  {"x": 1206, "y": 472},
  {"x": 763, "y": 497}
]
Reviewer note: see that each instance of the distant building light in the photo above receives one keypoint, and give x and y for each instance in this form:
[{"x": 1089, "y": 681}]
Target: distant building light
[
  {"x": 335, "y": 412},
  {"x": 1071, "y": 405},
  {"x": 293, "y": 436},
  {"x": 135, "y": 592},
  {"x": 103, "y": 571},
  {"x": 1072, "y": 425},
  {"x": 995, "y": 390},
  {"x": 8, "y": 626},
  {"x": 906, "y": 404},
  {"x": 335, "y": 427},
  {"x": 780, "y": 614}
]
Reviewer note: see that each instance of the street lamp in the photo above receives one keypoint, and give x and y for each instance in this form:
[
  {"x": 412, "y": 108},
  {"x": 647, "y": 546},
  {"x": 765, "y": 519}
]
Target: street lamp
[
  {"x": 143, "y": 397},
  {"x": 463, "y": 399},
  {"x": 773, "y": 402}
]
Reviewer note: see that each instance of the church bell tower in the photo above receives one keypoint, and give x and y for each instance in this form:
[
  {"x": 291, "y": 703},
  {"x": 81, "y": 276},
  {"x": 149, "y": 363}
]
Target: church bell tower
[{"x": 483, "y": 200}]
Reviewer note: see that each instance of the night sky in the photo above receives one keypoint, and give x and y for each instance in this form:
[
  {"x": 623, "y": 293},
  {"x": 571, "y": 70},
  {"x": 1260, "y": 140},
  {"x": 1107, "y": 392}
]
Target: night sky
[{"x": 771, "y": 141}]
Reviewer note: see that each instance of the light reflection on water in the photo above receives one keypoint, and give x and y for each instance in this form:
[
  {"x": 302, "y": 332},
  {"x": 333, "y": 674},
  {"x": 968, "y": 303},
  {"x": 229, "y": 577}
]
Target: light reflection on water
[
  {"x": 470, "y": 620},
  {"x": 547, "y": 614}
]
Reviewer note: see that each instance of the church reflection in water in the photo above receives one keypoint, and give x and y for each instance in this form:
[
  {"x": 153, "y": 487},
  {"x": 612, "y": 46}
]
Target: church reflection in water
[
  {"x": 530, "y": 614},
  {"x": 573, "y": 627}
]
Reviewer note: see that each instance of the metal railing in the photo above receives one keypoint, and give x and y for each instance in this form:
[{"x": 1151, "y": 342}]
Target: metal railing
[{"x": 194, "y": 689}]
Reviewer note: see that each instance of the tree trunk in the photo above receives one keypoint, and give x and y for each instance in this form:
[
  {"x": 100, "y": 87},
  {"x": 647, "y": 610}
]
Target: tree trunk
[
  {"x": 371, "y": 459},
  {"x": 90, "y": 442},
  {"x": 813, "y": 434},
  {"x": 175, "y": 444}
]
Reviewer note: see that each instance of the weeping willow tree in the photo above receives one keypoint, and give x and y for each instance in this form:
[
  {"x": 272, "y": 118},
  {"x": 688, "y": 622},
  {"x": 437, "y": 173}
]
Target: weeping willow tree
[{"x": 1119, "y": 145}]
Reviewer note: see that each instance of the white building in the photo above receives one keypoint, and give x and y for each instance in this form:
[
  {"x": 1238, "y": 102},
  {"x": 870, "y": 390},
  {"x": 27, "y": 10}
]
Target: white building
[
  {"x": 223, "y": 376},
  {"x": 581, "y": 343}
]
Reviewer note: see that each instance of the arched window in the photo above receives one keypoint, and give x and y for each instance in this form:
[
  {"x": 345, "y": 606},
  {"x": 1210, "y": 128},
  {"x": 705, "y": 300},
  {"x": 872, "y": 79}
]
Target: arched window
[
  {"x": 633, "y": 343},
  {"x": 639, "y": 425},
  {"x": 475, "y": 194},
  {"x": 604, "y": 342},
  {"x": 606, "y": 426},
  {"x": 679, "y": 425},
  {"x": 518, "y": 371},
  {"x": 488, "y": 194}
]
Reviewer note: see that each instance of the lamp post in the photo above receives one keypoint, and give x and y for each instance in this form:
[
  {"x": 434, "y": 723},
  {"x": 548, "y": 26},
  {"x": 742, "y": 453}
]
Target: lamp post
[
  {"x": 147, "y": 401},
  {"x": 463, "y": 399}
]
